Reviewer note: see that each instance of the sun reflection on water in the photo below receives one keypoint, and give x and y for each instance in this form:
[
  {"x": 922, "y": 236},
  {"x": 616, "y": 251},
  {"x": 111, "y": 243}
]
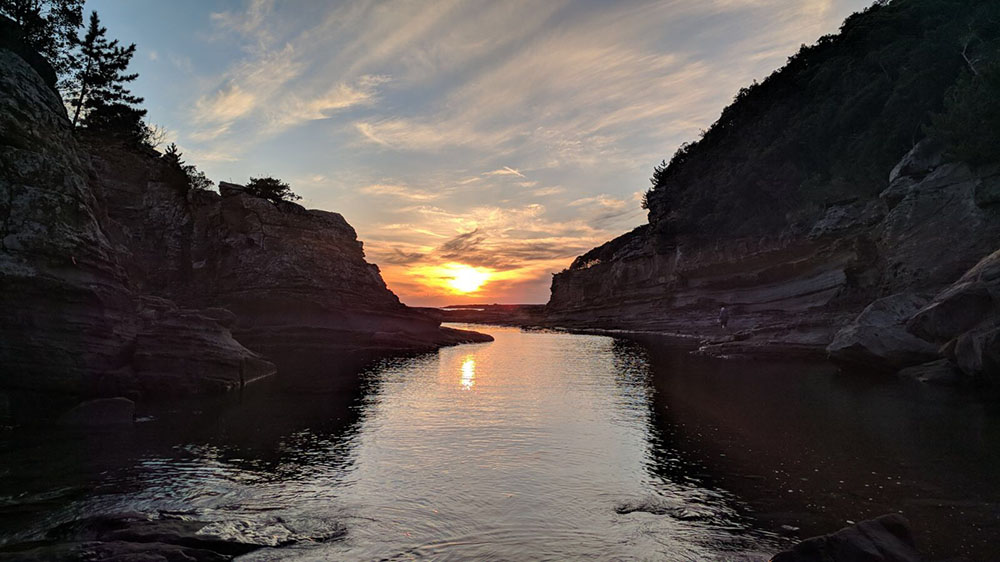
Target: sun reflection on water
[{"x": 468, "y": 372}]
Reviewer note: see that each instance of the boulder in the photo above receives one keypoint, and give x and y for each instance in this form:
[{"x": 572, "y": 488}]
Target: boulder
[
  {"x": 977, "y": 353},
  {"x": 100, "y": 412},
  {"x": 884, "y": 539},
  {"x": 923, "y": 158},
  {"x": 965, "y": 318},
  {"x": 878, "y": 335},
  {"x": 971, "y": 300}
]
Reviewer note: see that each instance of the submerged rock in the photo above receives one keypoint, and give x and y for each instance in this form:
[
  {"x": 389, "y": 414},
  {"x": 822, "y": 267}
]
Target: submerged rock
[
  {"x": 100, "y": 412},
  {"x": 132, "y": 538},
  {"x": 884, "y": 539},
  {"x": 941, "y": 372}
]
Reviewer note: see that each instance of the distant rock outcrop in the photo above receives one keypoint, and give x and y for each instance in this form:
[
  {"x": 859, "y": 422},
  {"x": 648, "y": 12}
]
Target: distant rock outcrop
[{"x": 119, "y": 280}]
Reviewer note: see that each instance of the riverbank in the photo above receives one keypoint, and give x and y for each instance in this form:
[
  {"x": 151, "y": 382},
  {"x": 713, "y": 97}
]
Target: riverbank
[{"x": 539, "y": 443}]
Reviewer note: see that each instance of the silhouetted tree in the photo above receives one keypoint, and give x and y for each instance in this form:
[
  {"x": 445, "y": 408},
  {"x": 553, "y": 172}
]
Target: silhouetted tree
[
  {"x": 970, "y": 123},
  {"x": 196, "y": 179},
  {"x": 100, "y": 99},
  {"x": 48, "y": 26},
  {"x": 830, "y": 124},
  {"x": 172, "y": 155},
  {"x": 272, "y": 189}
]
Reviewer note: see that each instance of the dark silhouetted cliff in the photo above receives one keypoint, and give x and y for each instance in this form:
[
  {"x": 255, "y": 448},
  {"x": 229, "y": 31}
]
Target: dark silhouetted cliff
[
  {"x": 844, "y": 178},
  {"x": 118, "y": 279}
]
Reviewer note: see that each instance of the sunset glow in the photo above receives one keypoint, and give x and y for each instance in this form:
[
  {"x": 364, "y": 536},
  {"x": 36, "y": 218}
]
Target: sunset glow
[
  {"x": 468, "y": 279},
  {"x": 454, "y": 278},
  {"x": 476, "y": 148}
]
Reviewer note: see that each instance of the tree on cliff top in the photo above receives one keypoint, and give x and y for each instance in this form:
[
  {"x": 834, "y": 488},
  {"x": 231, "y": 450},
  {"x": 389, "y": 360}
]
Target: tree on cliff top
[
  {"x": 48, "y": 26},
  {"x": 196, "y": 179},
  {"x": 272, "y": 189},
  {"x": 832, "y": 122},
  {"x": 100, "y": 100}
]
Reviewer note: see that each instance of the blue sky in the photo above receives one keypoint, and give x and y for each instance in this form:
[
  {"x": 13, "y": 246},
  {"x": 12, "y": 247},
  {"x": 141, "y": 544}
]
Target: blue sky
[{"x": 510, "y": 136}]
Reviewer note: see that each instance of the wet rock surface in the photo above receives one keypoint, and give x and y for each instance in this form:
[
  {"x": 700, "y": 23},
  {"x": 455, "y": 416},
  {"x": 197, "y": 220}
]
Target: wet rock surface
[
  {"x": 884, "y": 539},
  {"x": 100, "y": 412},
  {"x": 941, "y": 372},
  {"x": 132, "y": 538}
]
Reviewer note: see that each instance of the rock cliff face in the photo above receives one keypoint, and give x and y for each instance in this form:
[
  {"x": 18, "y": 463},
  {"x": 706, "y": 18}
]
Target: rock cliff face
[
  {"x": 296, "y": 279},
  {"x": 795, "y": 290},
  {"x": 118, "y": 280}
]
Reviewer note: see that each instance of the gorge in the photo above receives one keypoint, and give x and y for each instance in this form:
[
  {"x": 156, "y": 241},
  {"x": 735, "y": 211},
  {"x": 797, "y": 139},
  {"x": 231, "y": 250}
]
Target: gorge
[{"x": 190, "y": 374}]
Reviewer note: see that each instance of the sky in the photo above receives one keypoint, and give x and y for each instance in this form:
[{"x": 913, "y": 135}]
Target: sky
[{"x": 477, "y": 147}]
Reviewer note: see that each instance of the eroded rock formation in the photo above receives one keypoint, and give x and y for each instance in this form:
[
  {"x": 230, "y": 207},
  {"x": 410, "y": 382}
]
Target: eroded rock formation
[
  {"x": 119, "y": 280},
  {"x": 854, "y": 278}
]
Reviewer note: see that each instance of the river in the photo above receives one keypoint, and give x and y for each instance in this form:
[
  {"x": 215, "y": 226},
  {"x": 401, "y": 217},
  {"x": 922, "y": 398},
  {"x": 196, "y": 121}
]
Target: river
[{"x": 537, "y": 446}]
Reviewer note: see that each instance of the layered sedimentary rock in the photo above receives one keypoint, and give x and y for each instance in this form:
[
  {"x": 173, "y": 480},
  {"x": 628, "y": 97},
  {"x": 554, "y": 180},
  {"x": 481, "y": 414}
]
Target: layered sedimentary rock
[
  {"x": 794, "y": 291},
  {"x": 118, "y": 280},
  {"x": 296, "y": 279},
  {"x": 66, "y": 312},
  {"x": 813, "y": 196},
  {"x": 70, "y": 319}
]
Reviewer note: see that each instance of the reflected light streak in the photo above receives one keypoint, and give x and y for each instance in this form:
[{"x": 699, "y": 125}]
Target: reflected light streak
[{"x": 468, "y": 372}]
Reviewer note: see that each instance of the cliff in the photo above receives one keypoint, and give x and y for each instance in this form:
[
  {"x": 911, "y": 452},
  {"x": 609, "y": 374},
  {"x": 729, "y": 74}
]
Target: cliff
[
  {"x": 816, "y": 247},
  {"x": 118, "y": 280}
]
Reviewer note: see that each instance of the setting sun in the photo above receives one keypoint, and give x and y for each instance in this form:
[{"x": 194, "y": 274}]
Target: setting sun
[{"x": 465, "y": 278}]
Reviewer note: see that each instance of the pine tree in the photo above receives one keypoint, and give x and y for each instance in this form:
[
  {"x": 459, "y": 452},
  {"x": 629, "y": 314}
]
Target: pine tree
[
  {"x": 196, "y": 179},
  {"x": 272, "y": 189},
  {"x": 49, "y": 27},
  {"x": 100, "y": 99}
]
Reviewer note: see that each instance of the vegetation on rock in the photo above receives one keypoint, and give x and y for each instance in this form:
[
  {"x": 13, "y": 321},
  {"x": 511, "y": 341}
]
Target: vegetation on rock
[
  {"x": 828, "y": 125},
  {"x": 196, "y": 179},
  {"x": 48, "y": 26},
  {"x": 272, "y": 189},
  {"x": 100, "y": 100}
]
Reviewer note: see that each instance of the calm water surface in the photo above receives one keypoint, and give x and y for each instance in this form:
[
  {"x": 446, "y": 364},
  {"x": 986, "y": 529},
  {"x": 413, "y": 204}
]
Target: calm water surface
[{"x": 537, "y": 446}]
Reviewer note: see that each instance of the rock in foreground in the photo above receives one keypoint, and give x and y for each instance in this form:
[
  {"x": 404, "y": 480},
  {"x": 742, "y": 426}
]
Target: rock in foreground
[
  {"x": 884, "y": 539},
  {"x": 129, "y": 538},
  {"x": 878, "y": 335}
]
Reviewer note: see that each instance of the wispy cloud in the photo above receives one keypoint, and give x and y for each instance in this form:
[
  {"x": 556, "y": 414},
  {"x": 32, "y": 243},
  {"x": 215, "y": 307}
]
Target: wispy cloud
[
  {"x": 399, "y": 192},
  {"x": 505, "y": 171}
]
